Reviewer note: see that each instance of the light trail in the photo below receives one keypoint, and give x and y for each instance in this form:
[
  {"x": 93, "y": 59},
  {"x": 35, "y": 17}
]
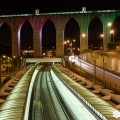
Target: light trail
[{"x": 77, "y": 108}]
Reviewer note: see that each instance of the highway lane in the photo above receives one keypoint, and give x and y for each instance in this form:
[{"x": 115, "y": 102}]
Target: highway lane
[{"x": 109, "y": 79}]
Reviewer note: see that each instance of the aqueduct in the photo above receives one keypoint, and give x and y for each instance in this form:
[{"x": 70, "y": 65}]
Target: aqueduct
[{"x": 59, "y": 20}]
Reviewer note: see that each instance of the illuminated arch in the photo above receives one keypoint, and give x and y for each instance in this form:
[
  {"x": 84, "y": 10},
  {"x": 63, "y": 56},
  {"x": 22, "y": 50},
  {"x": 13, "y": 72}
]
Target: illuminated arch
[
  {"x": 95, "y": 29},
  {"x": 25, "y": 37},
  {"x": 5, "y": 39},
  {"x": 48, "y": 36},
  {"x": 72, "y": 33}
]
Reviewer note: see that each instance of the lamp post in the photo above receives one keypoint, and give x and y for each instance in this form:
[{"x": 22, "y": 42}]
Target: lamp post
[
  {"x": 80, "y": 59},
  {"x": 21, "y": 62},
  {"x": 95, "y": 57},
  {"x": 112, "y": 33},
  {"x": 8, "y": 66},
  {"x": 72, "y": 45},
  {"x": 14, "y": 63},
  {"x": 104, "y": 63},
  {"x": 109, "y": 24},
  {"x": 102, "y": 35},
  {"x": 65, "y": 43}
]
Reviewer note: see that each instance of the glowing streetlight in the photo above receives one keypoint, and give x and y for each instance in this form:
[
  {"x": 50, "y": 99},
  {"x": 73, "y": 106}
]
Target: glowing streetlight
[
  {"x": 101, "y": 35},
  {"x": 83, "y": 35},
  {"x": 112, "y": 33},
  {"x": 74, "y": 40},
  {"x": 109, "y": 24},
  {"x": 66, "y": 43}
]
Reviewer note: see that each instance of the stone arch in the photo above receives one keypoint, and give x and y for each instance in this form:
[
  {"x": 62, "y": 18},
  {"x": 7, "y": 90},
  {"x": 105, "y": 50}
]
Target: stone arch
[
  {"x": 25, "y": 37},
  {"x": 48, "y": 35},
  {"x": 5, "y": 39},
  {"x": 71, "y": 37},
  {"x": 95, "y": 30}
]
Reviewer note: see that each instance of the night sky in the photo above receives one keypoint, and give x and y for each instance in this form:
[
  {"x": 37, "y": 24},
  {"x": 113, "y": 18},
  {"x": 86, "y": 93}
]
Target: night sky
[{"x": 29, "y": 6}]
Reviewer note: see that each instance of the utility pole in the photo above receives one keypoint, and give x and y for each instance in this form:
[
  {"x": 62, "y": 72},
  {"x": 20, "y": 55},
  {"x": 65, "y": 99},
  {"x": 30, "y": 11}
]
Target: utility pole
[
  {"x": 94, "y": 70},
  {"x": 95, "y": 57}
]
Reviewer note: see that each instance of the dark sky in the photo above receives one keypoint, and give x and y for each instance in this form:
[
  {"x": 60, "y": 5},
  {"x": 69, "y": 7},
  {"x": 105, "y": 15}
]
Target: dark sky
[{"x": 29, "y": 6}]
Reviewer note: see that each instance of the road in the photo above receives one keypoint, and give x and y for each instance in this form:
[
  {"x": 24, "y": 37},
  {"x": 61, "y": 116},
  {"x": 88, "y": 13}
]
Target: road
[{"x": 109, "y": 79}]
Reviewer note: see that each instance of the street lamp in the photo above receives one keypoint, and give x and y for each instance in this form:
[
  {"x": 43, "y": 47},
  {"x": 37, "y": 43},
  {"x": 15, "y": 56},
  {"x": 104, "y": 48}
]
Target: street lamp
[
  {"x": 68, "y": 41},
  {"x": 102, "y": 35},
  {"x": 72, "y": 42},
  {"x": 104, "y": 65},
  {"x": 72, "y": 45},
  {"x": 65, "y": 43},
  {"x": 80, "y": 59},
  {"x": 112, "y": 33},
  {"x": 109, "y": 24},
  {"x": 95, "y": 57},
  {"x": 83, "y": 35}
]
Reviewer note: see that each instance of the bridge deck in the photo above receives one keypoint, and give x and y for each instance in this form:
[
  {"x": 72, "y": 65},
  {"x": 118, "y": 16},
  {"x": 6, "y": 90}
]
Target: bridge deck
[{"x": 31, "y": 60}]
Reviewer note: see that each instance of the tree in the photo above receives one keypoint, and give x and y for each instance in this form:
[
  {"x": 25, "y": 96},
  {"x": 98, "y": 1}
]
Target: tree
[{"x": 111, "y": 46}]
